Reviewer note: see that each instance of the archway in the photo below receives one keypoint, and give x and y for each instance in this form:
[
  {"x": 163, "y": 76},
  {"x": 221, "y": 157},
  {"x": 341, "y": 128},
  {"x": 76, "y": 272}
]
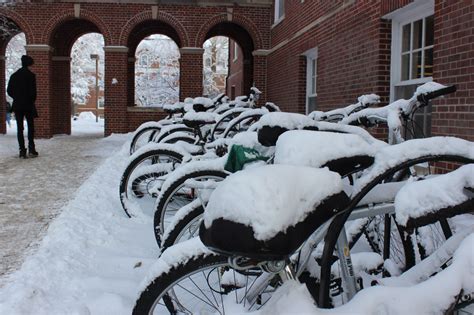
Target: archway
[
  {"x": 241, "y": 36},
  {"x": 87, "y": 84},
  {"x": 62, "y": 39},
  {"x": 156, "y": 71},
  {"x": 215, "y": 65},
  {"x": 163, "y": 57},
  {"x": 12, "y": 42}
]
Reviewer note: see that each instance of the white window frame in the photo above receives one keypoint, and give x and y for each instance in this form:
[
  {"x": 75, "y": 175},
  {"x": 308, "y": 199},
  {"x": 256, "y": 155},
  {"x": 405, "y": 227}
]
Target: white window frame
[
  {"x": 279, "y": 15},
  {"x": 417, "y": 10},
  {"x": 311, "y": 55}
]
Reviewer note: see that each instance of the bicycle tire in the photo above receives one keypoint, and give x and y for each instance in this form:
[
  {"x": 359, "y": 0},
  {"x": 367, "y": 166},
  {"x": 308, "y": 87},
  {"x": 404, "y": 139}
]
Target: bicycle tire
[
  {"x": 126, "y": 176},
  {"x": 166, "y": 196},
  {"x": 175, "y": 233},
  {"x": 139, "y": 134}
]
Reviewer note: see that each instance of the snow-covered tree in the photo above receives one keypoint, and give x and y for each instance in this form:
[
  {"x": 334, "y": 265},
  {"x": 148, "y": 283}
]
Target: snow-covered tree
[
  {"x": 83, "y": 66},
  {"x": 157, "y": 71},
  {"x": 14, "y": 50},
  {"x": 216, "y": 60}
]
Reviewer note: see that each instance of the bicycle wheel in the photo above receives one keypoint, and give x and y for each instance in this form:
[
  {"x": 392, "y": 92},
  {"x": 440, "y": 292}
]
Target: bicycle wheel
[
  {"x": 141, "y": 175},
  {"x": 185, "y": 227},
  {"x": 142, "y": 137},
  {"x": 177, "y": 195},
  {"x": 203, "y": 285}
]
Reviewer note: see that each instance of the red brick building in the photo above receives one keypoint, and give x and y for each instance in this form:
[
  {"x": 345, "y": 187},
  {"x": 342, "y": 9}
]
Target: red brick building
[{"x": 302, "y": 54}]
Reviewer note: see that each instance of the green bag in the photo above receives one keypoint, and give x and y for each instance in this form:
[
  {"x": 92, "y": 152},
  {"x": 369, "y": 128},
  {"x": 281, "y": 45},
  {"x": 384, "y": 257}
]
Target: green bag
[{"x": 239, "y": 156}]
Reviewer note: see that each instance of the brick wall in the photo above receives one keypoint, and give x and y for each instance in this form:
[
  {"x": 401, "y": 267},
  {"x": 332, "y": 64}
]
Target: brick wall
[
  {"x": 454, "y": 64},
  {"x": 124, "y": 25},
  {"x": 236, "y": 76},
  {"x": 353, "y": 53}
]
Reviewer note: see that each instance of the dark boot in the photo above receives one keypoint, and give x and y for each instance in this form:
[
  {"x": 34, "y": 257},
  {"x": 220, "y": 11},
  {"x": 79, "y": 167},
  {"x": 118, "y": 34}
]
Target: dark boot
[
  {"x": 32, "y": 153},
  {"x": 23, "y": 154}
]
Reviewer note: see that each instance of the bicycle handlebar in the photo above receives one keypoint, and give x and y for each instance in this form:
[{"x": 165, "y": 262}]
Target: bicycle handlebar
[{"x": 430, "y": 95}]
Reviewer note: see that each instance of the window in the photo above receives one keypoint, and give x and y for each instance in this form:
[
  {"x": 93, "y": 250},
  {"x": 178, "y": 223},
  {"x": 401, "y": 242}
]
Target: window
[
  {"x": 412, "y": 56},
  {"x": 144, "y": 60},
  {"x": 311, "y": 79},
  {"x": 236, "y": 52},
  {"x": 279, "y": 10}
]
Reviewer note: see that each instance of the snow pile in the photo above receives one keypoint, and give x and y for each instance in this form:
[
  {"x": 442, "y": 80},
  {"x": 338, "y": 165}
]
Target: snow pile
[
  {"x": 260, "y": 197},
  {"x": 315, "y": 148},
  {"x": 420, "y": 198},
  {"x": 289, "y": 121},
  {"x": 86, "y": 116}
]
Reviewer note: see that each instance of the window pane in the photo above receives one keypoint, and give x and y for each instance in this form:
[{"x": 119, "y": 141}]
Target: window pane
[
  {"x": 428, "y": 71},
  {"x": 416, "y": 66},
  {"x": 313, "y": 76},
  {"x": 406, "y": 37},
  {"x": 417, "y": 34},
  {"x": 281, "y": 8},
  {"x": 311, "y": 104},
  {"x": 405, "y": 67},
  {"x": 429, "y": 30}
]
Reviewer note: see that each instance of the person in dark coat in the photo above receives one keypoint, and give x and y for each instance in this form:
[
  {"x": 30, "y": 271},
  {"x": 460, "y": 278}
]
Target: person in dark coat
[{"x": 22, "y": 88}]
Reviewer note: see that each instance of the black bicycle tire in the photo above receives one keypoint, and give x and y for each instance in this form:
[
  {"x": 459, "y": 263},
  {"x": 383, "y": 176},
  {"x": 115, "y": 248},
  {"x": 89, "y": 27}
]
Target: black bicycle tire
[
  {"x": 133, "y": 164},
  {"x": 167, "y": 194},
  {"x": 173, "y": 233},
  {"x": 137, "y": 135},
  {"x": 161, "y": 284}
]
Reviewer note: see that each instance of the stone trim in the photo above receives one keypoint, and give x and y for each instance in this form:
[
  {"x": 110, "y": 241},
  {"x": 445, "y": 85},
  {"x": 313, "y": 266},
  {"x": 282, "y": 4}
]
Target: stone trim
[
  {"x": 261, "y": 52},
  {"x": 117, "y": 49},
  {"x": 38, "y": 47},
  {"x": 61, "y": 58},
  {"x": 77, "y": 10},
  {"x": 192, "y": 50},
  {"x": 144, "y": 109}
]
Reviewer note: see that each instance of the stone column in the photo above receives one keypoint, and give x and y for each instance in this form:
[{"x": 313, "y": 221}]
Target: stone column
[
  {"x": 61, "y": 102},
  {"x": 191, "y": 68},
  {"x": 116, "y": 84},
  {"x": 43, "y": 70},
  {"x": 3, "y": 128}
]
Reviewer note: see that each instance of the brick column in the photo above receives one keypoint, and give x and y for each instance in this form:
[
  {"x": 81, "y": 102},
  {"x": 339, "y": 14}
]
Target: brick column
[
  {"x": 260, "y": 73},
  {"x": 61, "y": 95},
  {"x": 3, "y": 128},
  {"x": 43, "y": 70},
  {"x": 116, "y": 83},
  {"x": 190, "y": 79}
]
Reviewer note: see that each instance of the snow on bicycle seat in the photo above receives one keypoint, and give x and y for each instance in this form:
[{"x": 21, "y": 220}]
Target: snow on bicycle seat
[
  {"x": 268, "y": 212},
  {"x": 177, "y": 107},
  {"x": 201, "y": 104},
  {"x": 426, "y": 201},
  {"x": 197, "y": 119},
  {"x": 343, "y": 153},
  {"x": 273, "y": 124}
]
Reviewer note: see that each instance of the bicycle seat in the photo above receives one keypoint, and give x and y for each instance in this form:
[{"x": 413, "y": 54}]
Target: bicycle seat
[
  {"x": 441, "y": 196},
  {"x": 343, "y": 153},
  {"x": 177, "y": 107},
  {"x": 273, "y": 124},
  {"x": 202, "y": 104},
  {"x": 266, "y": 213},
  {"x": 198, "y": 119}
]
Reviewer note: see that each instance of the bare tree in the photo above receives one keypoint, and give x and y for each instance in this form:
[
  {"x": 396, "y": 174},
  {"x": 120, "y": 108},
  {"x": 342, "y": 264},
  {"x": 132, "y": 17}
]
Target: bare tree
[{"x": 216, "y": 55}]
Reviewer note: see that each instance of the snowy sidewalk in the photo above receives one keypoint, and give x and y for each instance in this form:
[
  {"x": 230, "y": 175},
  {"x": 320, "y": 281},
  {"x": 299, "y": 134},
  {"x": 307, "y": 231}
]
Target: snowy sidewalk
[{"x": 33, "y": 191}]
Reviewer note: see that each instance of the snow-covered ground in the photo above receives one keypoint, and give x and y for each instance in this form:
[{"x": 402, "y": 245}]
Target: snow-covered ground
[{"x": 93, "y": 258}]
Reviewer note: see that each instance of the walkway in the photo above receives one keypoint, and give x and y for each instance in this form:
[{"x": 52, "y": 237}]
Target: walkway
[{"x": 33, "y": 191}]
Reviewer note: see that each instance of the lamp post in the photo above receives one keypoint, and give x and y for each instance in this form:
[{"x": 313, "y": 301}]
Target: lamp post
[{"x": 96, "y": 58}]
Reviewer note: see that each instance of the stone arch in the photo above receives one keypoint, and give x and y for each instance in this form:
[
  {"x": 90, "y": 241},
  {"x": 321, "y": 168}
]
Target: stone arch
[
  {"x": 55, "y": 22},
  {"x": 181, "y": 37},
  {"x": 21, "y": 23},
  {"x": 237, "y": 19}
]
